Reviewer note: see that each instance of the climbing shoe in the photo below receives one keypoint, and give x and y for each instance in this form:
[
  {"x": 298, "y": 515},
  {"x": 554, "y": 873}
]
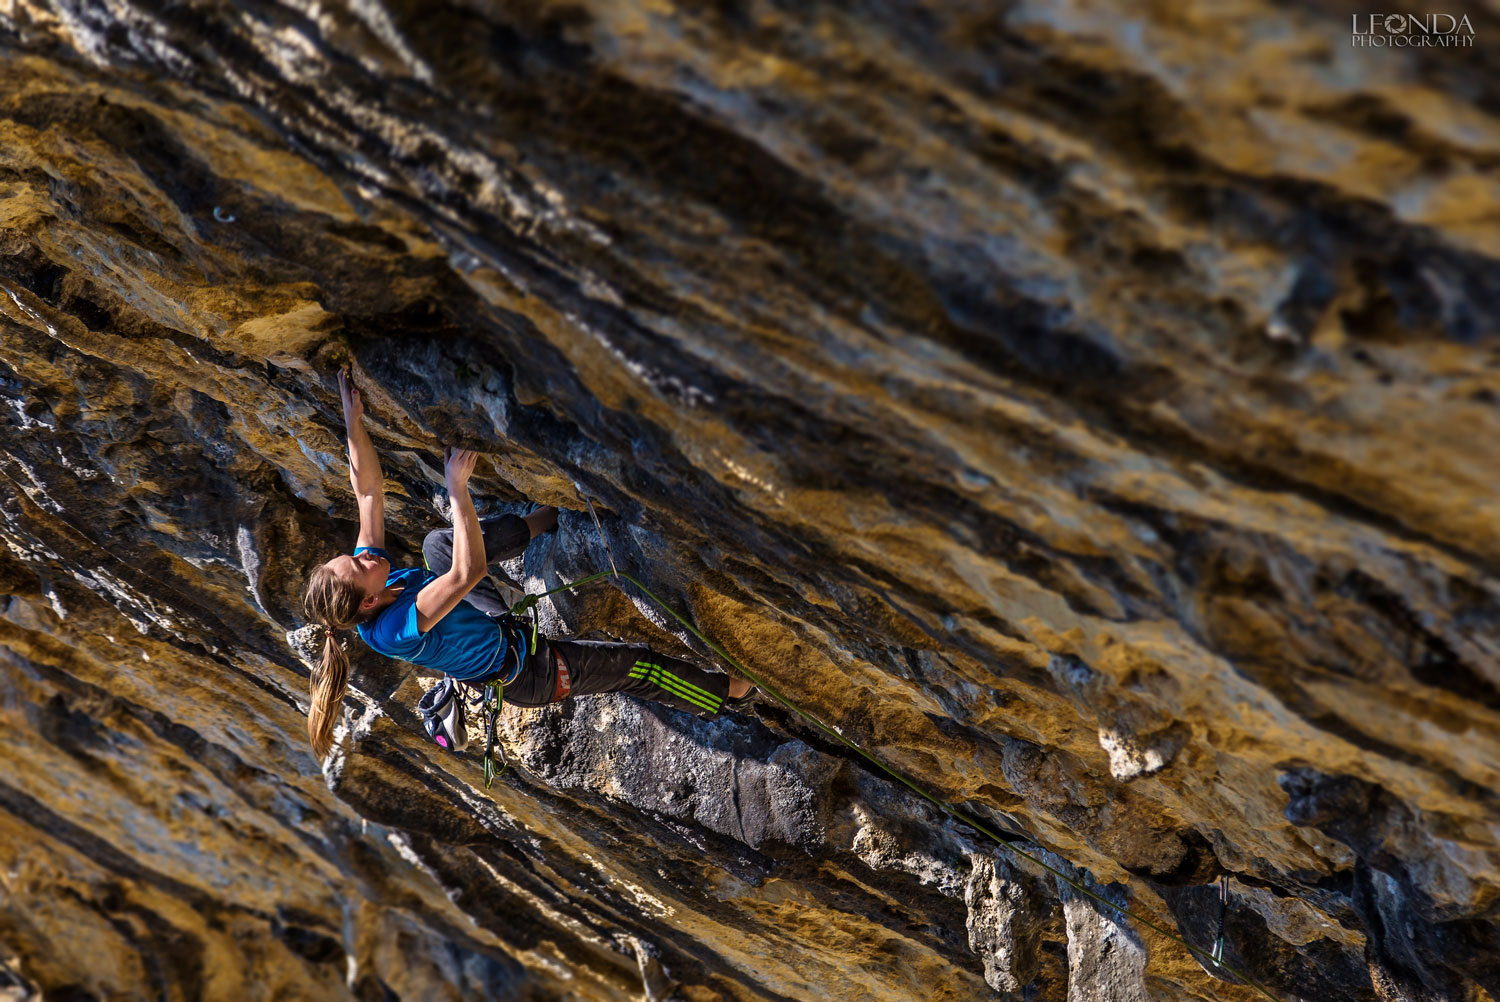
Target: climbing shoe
[
  {"x": 742, "y": 702},
  {"x": 442, "y": 714}
]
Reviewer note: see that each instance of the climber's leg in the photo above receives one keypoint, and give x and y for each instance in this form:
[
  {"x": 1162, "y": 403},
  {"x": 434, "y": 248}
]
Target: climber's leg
[
  {"x": 544, "y": 519},
  {"x": 505, "y": 536},
  {"x": 593, "y": 666},
  {"x": 609, "y": 667}
]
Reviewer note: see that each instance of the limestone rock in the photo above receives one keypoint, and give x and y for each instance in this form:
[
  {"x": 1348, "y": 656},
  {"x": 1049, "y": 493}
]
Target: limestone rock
[{"x": 1091, "y": 411}]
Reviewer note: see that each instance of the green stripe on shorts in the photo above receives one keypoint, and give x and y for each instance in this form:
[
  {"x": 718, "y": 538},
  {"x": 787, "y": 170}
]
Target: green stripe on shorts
[
  {"x": 659, "y": 676},
  {"x": 668, "y": 683},
  {"x": 684, "y": 688}
]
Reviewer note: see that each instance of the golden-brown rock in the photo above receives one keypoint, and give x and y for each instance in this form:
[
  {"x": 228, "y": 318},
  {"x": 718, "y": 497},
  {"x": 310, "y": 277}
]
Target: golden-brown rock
[{"x": 1091, "y": 411}]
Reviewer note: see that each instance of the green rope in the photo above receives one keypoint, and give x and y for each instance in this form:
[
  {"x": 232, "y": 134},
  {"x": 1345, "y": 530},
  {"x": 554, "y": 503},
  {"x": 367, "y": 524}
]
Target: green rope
[{"x": 530, "y": 601}]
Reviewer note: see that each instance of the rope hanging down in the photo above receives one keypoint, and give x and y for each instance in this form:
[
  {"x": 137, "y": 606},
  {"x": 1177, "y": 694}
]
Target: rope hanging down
[{"x": 1214, "y": 957}]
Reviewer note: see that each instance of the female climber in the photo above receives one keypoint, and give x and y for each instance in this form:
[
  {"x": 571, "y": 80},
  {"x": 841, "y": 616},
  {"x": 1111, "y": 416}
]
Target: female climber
[{"x": 448, "y": 615}]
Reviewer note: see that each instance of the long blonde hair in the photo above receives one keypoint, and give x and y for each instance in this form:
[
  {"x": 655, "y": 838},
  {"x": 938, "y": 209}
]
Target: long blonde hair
[{"x": 332, "y": 601}]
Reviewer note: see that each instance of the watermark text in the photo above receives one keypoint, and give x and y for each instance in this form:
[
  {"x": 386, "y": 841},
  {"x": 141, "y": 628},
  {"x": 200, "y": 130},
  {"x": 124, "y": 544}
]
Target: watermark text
[{"x": 1412, "y": 31}]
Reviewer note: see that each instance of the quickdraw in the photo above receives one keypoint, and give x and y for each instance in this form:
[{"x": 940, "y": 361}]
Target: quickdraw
[
  {"x": 494, "y": 698},
  {"x": 1218, "y": 952}
]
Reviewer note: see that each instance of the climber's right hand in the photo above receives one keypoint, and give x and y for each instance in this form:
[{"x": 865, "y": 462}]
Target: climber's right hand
[{"x": 458, "y": 464}]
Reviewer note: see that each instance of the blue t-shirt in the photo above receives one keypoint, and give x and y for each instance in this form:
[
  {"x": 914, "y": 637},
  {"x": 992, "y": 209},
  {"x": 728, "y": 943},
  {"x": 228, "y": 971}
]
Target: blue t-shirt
[{"x": 465, "y": 643}]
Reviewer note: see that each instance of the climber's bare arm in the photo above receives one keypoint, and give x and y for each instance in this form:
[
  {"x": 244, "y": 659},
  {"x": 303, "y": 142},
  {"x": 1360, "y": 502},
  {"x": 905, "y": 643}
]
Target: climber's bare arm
[
  {"x": 364, "y": 467},
  {"x": 438, "y": 599}
]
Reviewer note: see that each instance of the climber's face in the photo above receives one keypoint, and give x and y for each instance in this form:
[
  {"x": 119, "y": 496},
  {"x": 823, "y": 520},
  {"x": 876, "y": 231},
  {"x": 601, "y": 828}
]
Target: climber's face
[{"x": 366, "y": 571}]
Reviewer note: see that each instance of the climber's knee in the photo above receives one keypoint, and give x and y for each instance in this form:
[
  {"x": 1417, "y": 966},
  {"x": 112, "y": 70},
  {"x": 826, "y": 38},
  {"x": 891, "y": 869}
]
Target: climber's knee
[{"x": 437, "y": 550}]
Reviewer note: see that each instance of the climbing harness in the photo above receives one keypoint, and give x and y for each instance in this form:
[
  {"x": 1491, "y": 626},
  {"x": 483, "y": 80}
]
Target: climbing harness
[
  {"x": 443, "y": 709},
  {"x": 492, "y": 693},
  {"x": 492, "y": 697},
  {"x": 516, "y": 647},
  {"x": 1215, "y": 956}
]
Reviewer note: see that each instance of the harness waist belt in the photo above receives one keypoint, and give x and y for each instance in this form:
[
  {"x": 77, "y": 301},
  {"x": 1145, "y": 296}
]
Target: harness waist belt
[{"x": 513, "y": 644}]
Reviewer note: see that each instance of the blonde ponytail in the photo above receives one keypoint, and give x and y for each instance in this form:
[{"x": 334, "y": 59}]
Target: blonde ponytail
[
  {"x": 329, "y": 682},
  {"x": 334, "y": 602}
]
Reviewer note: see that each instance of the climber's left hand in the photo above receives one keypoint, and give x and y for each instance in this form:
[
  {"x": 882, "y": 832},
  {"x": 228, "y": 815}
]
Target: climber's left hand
[{"x": 354, "y": 408}]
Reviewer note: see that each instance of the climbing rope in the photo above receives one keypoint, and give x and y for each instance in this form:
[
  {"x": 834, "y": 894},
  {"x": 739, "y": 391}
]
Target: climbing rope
[{"x": 1215, "y": 956}]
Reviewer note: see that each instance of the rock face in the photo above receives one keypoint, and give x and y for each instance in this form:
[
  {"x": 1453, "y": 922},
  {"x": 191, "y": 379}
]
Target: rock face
[{"x": 1091, "y": 412}]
